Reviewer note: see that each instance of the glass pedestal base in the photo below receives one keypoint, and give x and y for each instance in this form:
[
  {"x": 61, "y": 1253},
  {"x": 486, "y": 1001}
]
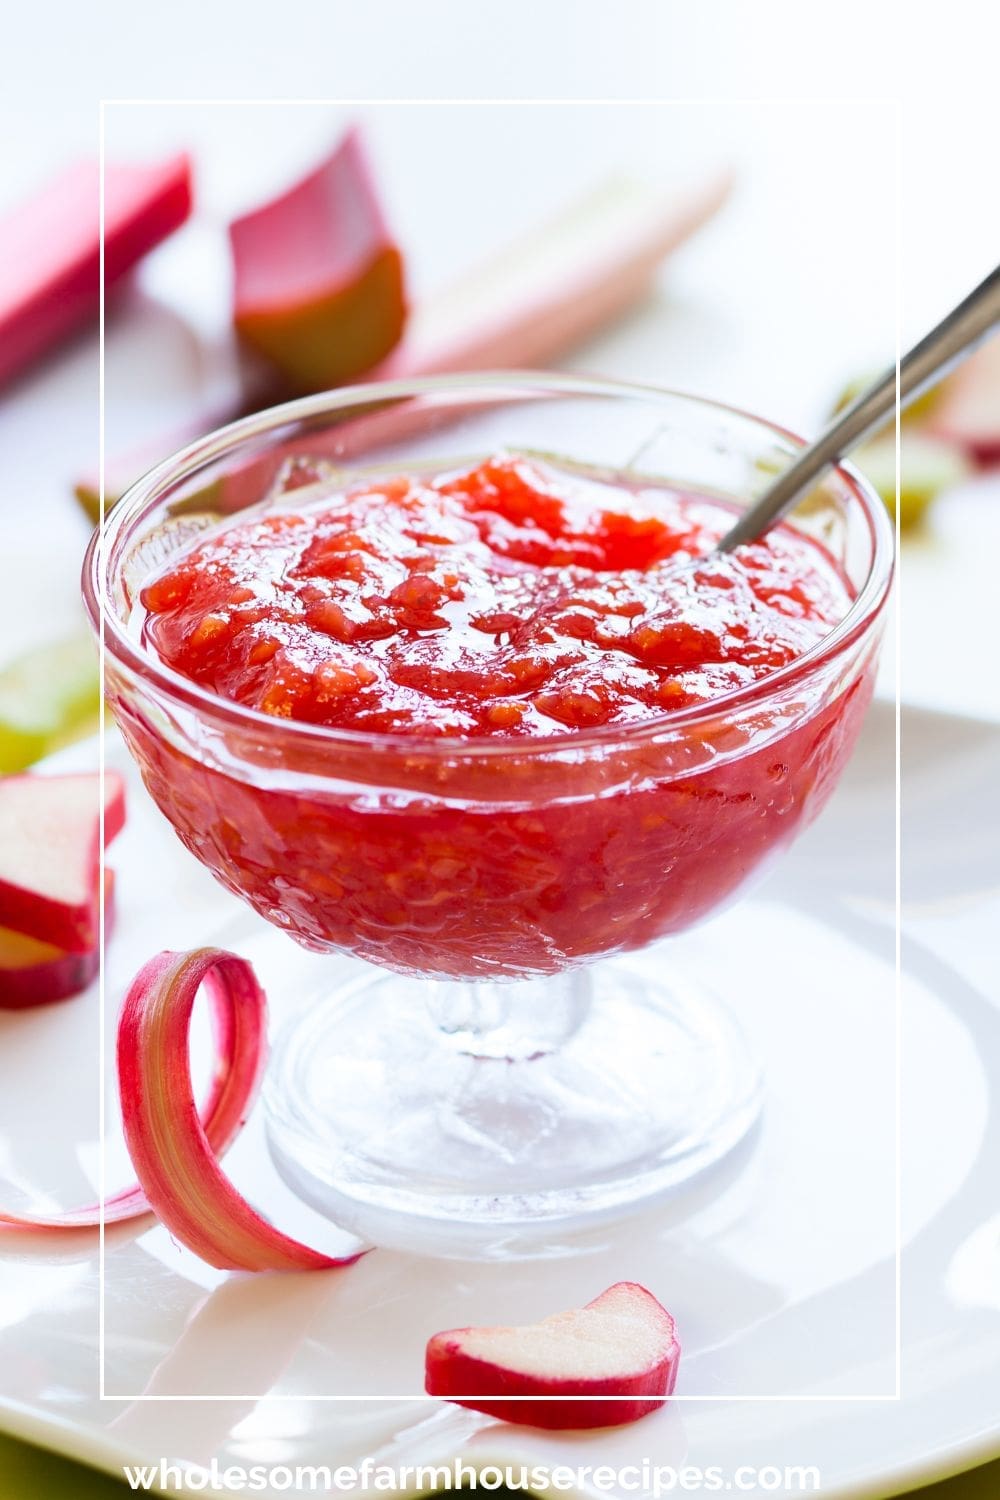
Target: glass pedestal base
[{"x": 495, "y": 1120}]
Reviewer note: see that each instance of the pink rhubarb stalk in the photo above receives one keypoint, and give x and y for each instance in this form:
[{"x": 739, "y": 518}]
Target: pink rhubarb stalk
[
  {"x": 50, "y": 271},
  {"x": 318, "y": 278}
]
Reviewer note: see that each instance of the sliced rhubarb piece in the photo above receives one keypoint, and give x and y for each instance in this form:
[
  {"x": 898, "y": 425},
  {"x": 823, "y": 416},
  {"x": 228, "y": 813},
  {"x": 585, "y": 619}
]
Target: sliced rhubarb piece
[
  {"x": 48, "y": 697},
  {"x": 928, "y": 467},
  {"x": 318, "y": 278},
  {"x": 49, "y": 855},
  {"x": 559, "y": 285},
  {"x": 621, "y": 1347},
  {"x": 174, "y": 1153},
  {"x": 967, "y": 412},
  {"x": 35, "y": 973},
  {"x": 50, "y": 277}
]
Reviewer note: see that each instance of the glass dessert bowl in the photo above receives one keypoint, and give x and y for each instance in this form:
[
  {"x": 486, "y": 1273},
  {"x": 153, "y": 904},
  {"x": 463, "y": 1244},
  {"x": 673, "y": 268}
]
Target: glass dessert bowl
[{"x": 486, "y": 1088}]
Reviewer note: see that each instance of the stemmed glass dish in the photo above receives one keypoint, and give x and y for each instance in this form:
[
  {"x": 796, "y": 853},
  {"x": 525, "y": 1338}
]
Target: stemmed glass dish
[{"x": 482, "y": 1086}]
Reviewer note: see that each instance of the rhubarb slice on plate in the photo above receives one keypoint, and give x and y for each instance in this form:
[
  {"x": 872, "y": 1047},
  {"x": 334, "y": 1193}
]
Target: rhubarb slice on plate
[
  {"x": 49, "y": 855},
  {"x": 601, "y": 1365},
  {"x": 37, "y": 973},
  {"x": 318, "y": 277}
]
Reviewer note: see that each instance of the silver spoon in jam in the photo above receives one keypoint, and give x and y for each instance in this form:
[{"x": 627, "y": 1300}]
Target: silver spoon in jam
[{"x": 949, "y": 342}]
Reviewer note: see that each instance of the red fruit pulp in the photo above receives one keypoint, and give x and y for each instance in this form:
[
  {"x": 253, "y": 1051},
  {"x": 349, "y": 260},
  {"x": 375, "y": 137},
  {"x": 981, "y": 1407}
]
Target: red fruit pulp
[
  {"x": 502, "y": 601},
  {"x": 503, "y": 604}
]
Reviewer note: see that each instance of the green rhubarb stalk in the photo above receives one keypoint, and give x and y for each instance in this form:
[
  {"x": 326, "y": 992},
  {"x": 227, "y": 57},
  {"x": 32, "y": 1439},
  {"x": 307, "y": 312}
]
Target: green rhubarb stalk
[{"x": 48, "y": 697}]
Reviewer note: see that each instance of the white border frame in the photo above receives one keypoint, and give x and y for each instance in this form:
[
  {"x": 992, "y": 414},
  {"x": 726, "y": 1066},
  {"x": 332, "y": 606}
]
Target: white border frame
[{"x": 894, "y": 1396}]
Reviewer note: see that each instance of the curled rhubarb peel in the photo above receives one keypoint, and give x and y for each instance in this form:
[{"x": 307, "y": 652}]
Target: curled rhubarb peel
[
  {"x": 130, "y": 1203},
  {"x": 220, "y": 1124},
  {"x": 174, "y": 1147},
  {"x": 225, "y": 1106},
  {"x": 173, "y": 1151}
]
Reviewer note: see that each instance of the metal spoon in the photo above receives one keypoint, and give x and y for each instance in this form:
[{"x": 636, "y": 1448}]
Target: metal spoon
[{"x": 953, "y": 338}]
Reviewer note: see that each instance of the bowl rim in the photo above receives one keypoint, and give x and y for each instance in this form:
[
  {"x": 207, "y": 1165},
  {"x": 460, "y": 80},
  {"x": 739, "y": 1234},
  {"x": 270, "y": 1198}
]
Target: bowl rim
[{"x": 142, "y": 662}]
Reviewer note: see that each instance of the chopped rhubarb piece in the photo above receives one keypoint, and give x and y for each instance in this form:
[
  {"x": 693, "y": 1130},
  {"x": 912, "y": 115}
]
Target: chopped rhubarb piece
[
  {"x": 49, "y": 855},
  {"x": 318, "y": 277},
  {"x": 621, "y": 1347},
  {"x": 967, "y": 412},
  {"x": 36, "y": 973},
  {"x": 48, "y": 697},
  {"x": 50, "y": 276},
  {"x": 928, "y": 467}
]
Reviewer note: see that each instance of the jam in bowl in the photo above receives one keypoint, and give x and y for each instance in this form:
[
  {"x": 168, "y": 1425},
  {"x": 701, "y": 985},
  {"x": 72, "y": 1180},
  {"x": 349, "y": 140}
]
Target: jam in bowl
[{"x": 446, "y": 677}]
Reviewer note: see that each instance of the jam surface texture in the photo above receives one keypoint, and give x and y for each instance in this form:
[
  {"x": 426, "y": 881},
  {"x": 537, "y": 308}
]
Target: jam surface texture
[
  {"x": 467, "y": 628},
  {"x": 512, "y": 599}
]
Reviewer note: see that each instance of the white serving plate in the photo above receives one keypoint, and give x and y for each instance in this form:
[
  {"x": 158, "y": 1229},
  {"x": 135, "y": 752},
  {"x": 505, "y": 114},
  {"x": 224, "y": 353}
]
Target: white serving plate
[{"x": 781, "y": 1270}]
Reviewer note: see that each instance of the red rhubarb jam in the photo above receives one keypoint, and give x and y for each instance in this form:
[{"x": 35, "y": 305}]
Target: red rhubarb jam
[
  {"x": 472, "y": 631},
  {"x": 502, "y": 601}
]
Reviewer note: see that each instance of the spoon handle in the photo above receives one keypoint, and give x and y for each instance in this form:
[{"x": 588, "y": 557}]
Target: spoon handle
[{"x": 951, "y": 340}]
